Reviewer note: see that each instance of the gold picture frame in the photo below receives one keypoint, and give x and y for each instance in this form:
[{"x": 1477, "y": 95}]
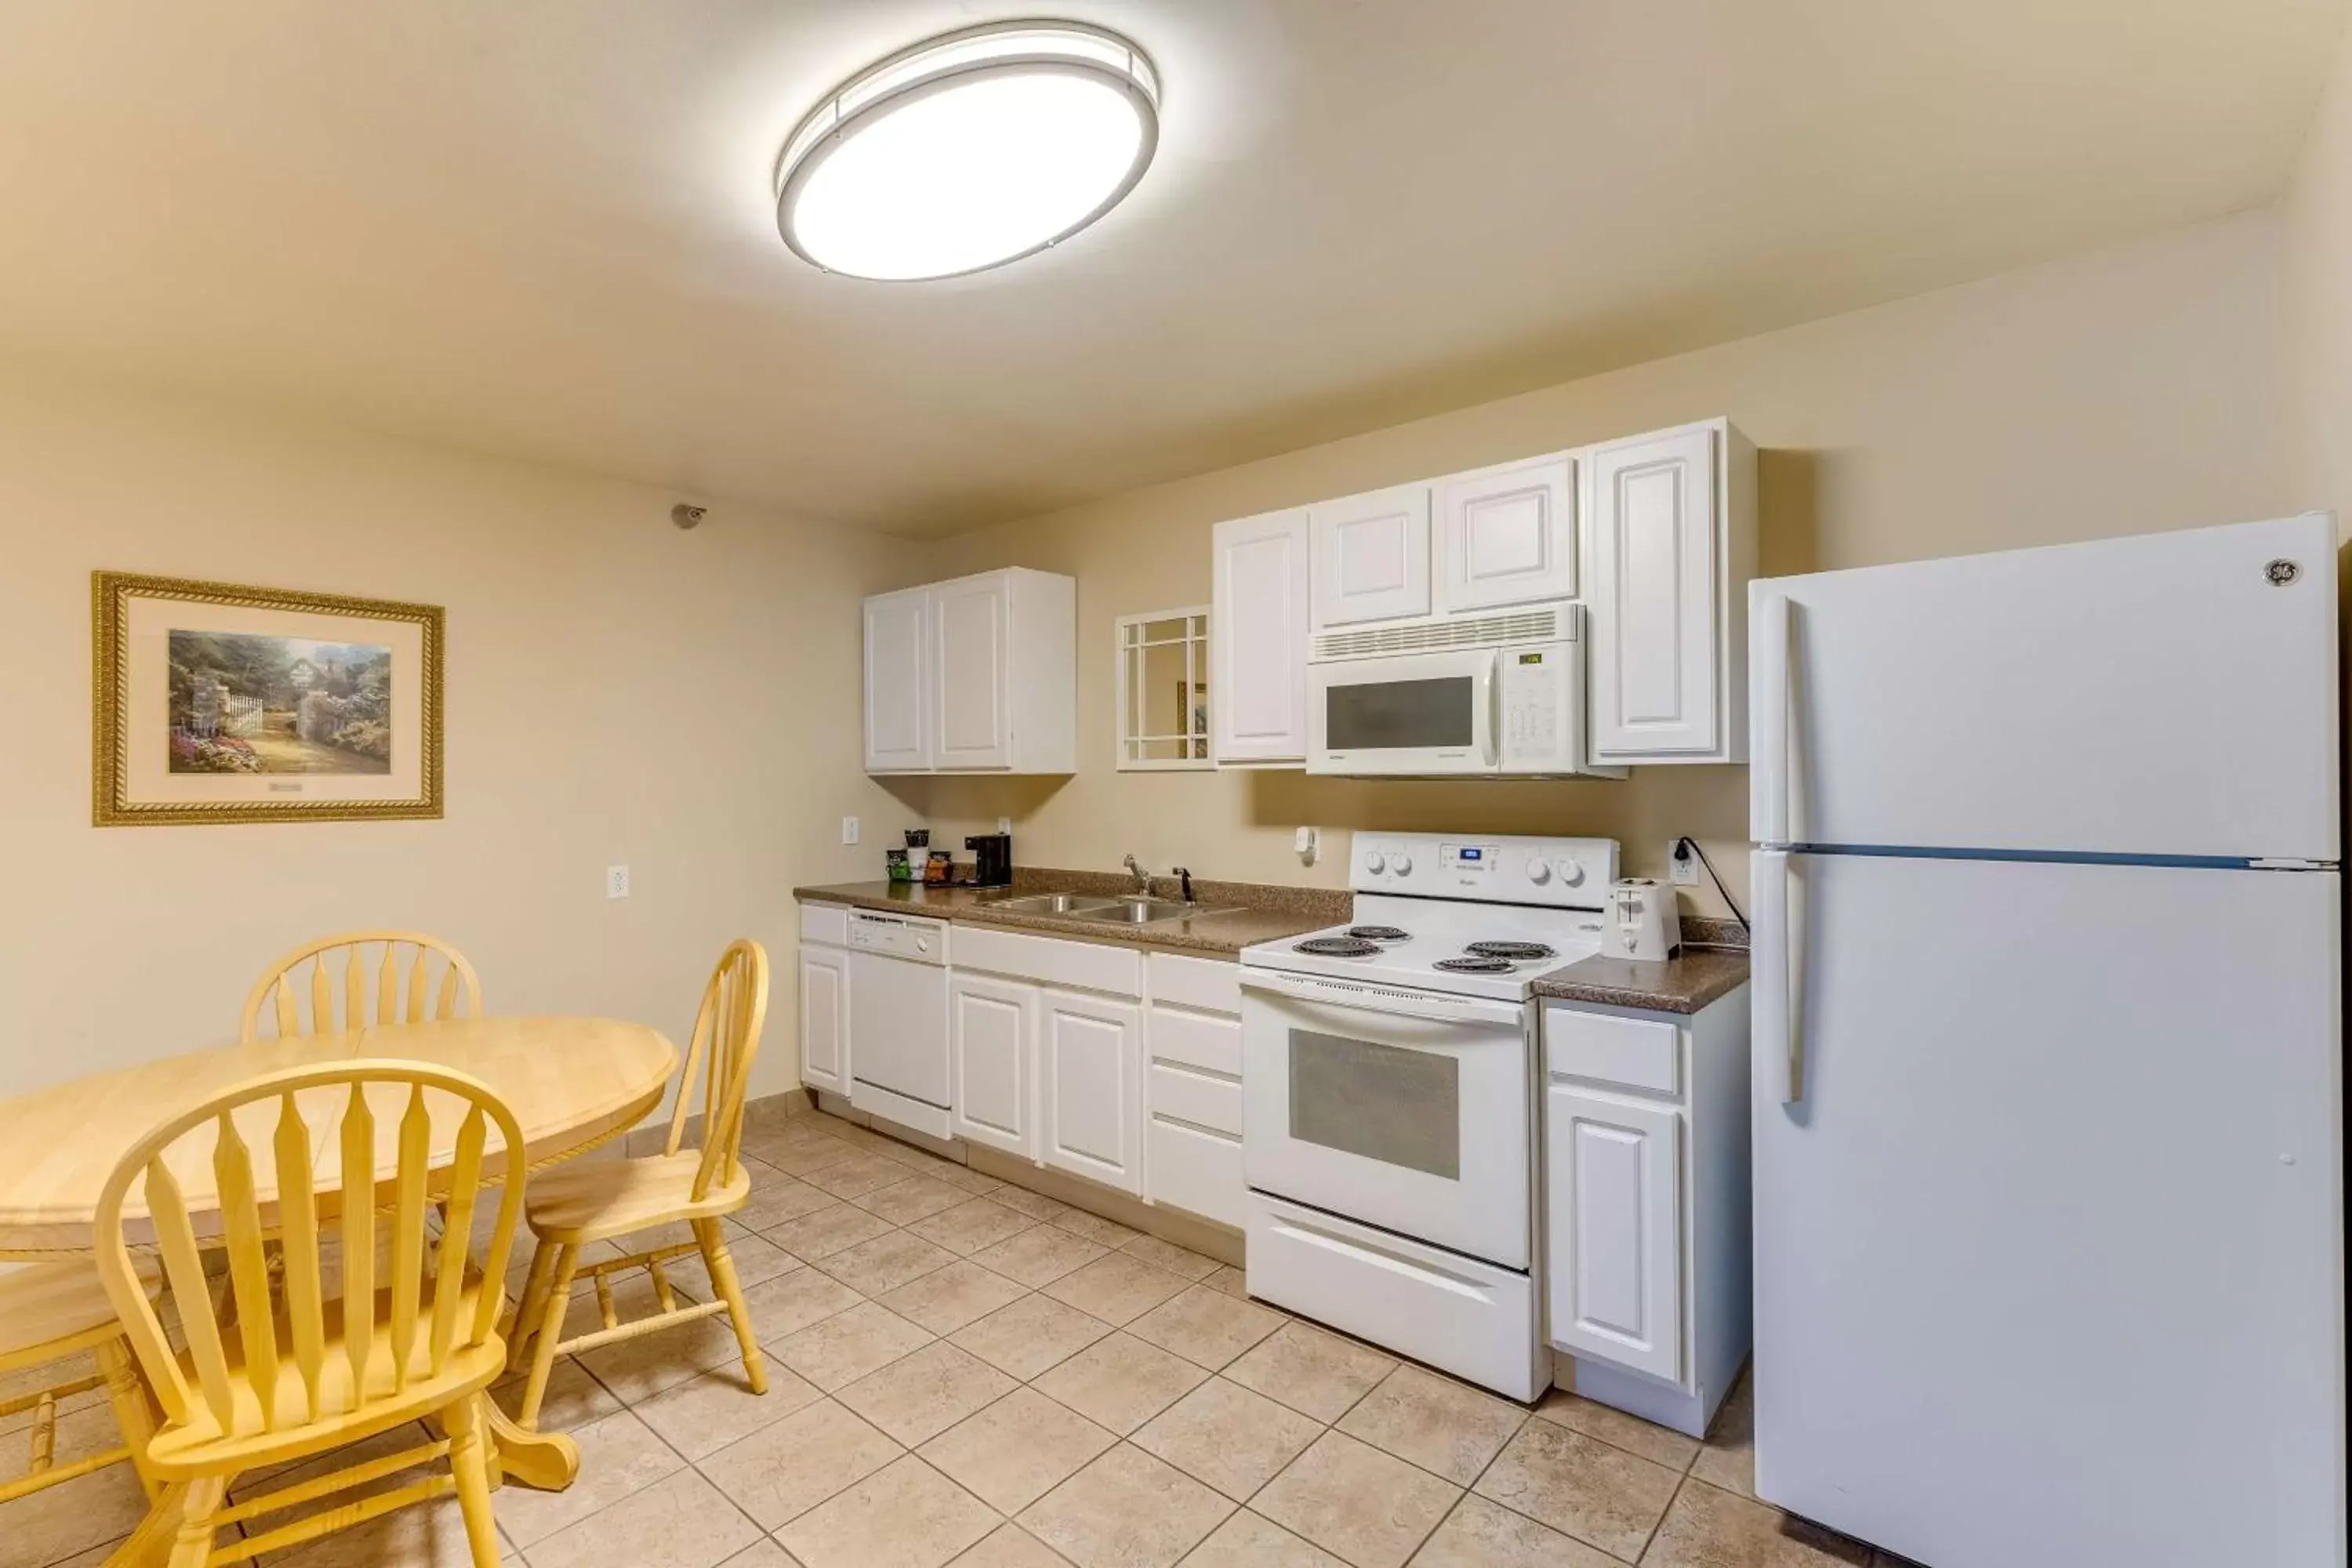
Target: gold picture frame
[{"x": 217, "y": 702}]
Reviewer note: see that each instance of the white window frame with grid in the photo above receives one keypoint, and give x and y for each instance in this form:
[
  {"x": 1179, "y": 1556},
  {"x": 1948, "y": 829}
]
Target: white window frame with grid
[{"x": 1131, "y": 650}]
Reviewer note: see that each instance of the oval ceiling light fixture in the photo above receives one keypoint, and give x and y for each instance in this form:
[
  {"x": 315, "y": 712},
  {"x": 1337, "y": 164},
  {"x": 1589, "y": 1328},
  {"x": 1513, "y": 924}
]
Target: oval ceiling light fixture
[{"x": 970, "y": 150}]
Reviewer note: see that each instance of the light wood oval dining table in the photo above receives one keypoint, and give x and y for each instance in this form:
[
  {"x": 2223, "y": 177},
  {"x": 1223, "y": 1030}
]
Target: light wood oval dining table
[{"x": 572, "y": 1083}]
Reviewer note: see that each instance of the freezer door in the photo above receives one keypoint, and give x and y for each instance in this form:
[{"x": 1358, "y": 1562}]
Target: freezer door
[
  {"x": 2167, "y": 695},
  {"x": 2049, "y": 1242}
]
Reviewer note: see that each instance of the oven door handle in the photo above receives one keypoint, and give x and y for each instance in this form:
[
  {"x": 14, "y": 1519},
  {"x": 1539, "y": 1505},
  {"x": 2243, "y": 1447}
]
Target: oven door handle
[{"x": 1388, "y": 1000}]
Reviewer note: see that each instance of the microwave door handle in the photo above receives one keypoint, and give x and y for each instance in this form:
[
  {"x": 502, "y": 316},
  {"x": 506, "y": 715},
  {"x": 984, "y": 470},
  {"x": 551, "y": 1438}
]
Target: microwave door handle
[{"x": 1493, "y": 751}]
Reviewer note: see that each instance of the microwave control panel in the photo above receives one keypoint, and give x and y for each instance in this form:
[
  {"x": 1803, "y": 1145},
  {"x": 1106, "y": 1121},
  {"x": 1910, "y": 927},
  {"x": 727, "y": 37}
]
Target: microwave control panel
[{"x": 1539, "y": 711}]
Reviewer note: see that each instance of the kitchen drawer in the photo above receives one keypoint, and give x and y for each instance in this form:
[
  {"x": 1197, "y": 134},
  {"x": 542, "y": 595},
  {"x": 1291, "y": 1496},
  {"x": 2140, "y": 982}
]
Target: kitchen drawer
[
  {"x": 1199, "y": 1172},
  {"x": 1076, "y": 965},
  {"x": 825, "y": 922},
  {"x": 1631, "y": 1053},
  {"x": 1205, "y": 982},
  {"x": 1214, "y": 1103},
  {"x": 1197, "y": 1041}
]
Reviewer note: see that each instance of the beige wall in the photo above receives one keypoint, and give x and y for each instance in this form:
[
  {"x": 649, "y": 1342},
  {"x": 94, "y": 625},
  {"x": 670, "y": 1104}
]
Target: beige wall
[
  {"x": 618, "y": 692},
  {"x": 2317, "y": 269},
  {"x": 2131, "y": 390}
]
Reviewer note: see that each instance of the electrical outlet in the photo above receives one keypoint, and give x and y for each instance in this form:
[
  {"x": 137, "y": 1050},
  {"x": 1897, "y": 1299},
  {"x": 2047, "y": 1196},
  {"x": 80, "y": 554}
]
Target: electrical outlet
[
  {"x": 1682, "y": 861},
  {"x": 1003, "y": 825},
  {"x": 616, "y": 881},
  {"x": 849, "y": 830}
]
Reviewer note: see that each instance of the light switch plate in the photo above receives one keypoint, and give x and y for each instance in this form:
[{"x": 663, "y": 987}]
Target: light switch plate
[
  {"x": 849, "y": 830},
  {"x": 616, "y": 881}
]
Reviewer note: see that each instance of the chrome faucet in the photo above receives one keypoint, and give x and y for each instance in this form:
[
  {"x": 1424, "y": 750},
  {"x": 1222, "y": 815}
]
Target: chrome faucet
[{"x": 1143, "y": 877}]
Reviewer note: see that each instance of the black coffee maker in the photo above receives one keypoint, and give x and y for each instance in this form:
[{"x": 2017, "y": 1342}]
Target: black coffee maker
[{"x": 992, "y": 859}]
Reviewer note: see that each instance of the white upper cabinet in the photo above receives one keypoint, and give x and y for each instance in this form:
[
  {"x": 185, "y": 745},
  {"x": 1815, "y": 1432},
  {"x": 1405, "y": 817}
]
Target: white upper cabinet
[
  {"x": 898, "y": 631},
  {"x": 1372, "y": 557},
  {"x": 1257, "y": 629},
  {"x": 968, "y": 625},
  {"x": 1507, "y": 536},
  {"x": 1672, "y": 521},
  {"x": 979, "y": 674}
]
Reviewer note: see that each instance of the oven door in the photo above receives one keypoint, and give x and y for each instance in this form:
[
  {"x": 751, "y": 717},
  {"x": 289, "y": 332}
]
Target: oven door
[
  {"x": 1421, "y": 714},
  {"x": 1406, "y": 1110}
]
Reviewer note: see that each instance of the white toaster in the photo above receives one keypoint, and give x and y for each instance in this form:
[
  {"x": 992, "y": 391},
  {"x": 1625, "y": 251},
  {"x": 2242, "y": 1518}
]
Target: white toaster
[{"x": 1644, "y": 922}]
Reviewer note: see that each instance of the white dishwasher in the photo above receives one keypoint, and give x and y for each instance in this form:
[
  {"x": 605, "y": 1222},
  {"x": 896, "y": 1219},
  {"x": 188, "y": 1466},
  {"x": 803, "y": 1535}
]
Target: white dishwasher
[{"x": 898, "y": 1019}]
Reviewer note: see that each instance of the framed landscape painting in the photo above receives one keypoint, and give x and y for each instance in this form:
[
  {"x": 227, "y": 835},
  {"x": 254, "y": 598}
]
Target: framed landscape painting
[{"x": 214, "y": 702}]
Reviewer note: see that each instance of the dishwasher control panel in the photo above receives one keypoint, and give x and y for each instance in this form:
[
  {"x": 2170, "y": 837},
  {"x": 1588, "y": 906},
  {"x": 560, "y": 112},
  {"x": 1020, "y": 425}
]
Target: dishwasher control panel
[{"x": 900, "y": 936}]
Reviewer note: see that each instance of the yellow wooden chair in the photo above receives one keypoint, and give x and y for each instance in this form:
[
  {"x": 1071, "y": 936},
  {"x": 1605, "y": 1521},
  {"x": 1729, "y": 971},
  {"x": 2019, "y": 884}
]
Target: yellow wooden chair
[
  {"x": 439, "y": 984},
  {"x": 336, "y": 1353},
  {"x": 50, "y": 1311},
  {"x": 589, "y": 1201}
]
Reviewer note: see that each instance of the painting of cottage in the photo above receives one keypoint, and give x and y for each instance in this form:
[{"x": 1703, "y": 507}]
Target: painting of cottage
[{"x": 247, "y": 704}]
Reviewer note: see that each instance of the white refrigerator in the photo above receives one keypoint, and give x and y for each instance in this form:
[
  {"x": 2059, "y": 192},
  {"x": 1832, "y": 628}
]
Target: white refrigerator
[{"x": 2048, "y": 1046}]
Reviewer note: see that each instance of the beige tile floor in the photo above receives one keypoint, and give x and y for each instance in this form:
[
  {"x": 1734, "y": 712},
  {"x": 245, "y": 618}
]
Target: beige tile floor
[{"x": 966, "y": 1373}]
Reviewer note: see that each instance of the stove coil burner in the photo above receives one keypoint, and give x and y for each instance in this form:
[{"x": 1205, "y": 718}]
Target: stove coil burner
[
  {"x": 1338, "y": 947},
  {"x": 1473, "y": 965},
  {"x": 1512, "y": 950},
  {"x": 1380, "y": 934}
]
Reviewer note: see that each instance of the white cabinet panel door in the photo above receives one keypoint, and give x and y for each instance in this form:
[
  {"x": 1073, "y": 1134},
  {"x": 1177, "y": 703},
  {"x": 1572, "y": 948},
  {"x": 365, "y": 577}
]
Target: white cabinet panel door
[
  {"x": 974, "y": 722},
  {"x": 898, "y": 728},
  {"x": 1614, "y": 1174},
  {"x": 1258, "y": 627},
  {"x": 1092, "y": 1077},
  {"x": 1372, "y": 557},
  {"x": 825, "y": 1020},
  {"x": 1507, "y": 535},
  {"x": 1654, "y": 612},
  {"x": 992, "y": 1033}
]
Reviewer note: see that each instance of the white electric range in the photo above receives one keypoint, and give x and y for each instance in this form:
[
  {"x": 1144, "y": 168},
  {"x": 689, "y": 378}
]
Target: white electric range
[{"x": 1388, "y": 1096}]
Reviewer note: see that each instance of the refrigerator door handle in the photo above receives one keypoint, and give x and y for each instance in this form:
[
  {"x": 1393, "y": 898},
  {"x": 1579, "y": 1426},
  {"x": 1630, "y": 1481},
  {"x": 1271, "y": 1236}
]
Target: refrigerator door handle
[
  {"x": 1768, "y": 736},
  {"x": 1779, "y": 1043}
]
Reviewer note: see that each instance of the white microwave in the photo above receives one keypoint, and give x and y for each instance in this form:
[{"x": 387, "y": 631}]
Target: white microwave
[{"x": 1516, "y": 710}]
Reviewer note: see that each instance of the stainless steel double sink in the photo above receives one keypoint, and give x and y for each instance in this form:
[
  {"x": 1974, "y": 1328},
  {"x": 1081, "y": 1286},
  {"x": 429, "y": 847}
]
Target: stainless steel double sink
[{"x": 1134, "y": 910}]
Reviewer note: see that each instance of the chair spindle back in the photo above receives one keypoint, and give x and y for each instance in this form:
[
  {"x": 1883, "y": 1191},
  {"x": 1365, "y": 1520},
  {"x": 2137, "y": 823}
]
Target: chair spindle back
[
  {"x": 272, "y": 1140},
  {"x": 726, "y": 1039},
  {"x": 414, "y": 979}
]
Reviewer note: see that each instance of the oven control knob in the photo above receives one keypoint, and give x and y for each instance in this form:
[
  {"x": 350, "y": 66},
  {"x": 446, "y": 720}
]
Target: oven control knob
[
  {"x": 1374, "y": 860},
  {"x": 1571, "y": 873},
  {"x": 1538, "y": 873},
  {"x": 1402, "y": 865}
]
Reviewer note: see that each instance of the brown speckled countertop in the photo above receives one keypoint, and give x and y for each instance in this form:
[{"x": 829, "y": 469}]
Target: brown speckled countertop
[
  {"x": 1237, "y": 913},
  {"x": 1241, "y": 914},
  {"x": 1694, "y": 976}
]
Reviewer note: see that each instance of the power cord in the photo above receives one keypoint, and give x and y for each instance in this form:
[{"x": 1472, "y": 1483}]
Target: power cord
[{"x": 1684, "y": 847}]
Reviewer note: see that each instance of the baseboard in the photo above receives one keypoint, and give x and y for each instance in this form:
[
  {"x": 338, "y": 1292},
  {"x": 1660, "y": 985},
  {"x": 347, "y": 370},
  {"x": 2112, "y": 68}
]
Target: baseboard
[{"x": 1651, "y": 1400}]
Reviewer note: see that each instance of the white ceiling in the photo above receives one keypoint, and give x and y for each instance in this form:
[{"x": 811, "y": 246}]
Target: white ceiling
[{"x": 543, "y": 228}]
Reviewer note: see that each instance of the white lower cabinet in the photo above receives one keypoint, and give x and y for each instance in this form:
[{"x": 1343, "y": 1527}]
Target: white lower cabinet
[
  {"x": 1192, "y": 1093},
  {"x": 825, "y": 1018},
  {"x": 993, "y": 1056},
  {"x": 1646, "y": 1261},
  {"x": 1090, "y": 1058},
  {"x": 1091, "y": 1072},
  {"x": 1616, "y": 1230}
]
